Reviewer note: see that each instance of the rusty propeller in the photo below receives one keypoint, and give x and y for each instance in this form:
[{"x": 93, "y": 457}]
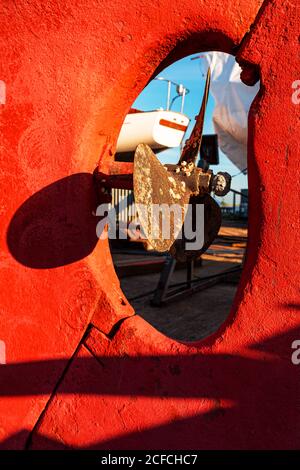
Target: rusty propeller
[{"x": 166, "y": 195}]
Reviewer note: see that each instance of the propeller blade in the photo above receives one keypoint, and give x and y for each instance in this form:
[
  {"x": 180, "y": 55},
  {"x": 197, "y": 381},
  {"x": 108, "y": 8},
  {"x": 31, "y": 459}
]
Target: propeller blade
[
  {"x": 192, "y": 146},
  {"x": 160, "y": 197},
  {"x": 210, "y": 226}
]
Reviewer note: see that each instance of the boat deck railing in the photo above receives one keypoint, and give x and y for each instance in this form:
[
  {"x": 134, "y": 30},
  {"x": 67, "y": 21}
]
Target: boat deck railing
[{"x": 181, "y": 92}]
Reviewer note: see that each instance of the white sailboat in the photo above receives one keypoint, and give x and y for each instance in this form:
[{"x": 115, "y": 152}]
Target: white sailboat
[{"x": 160, "y": 129}]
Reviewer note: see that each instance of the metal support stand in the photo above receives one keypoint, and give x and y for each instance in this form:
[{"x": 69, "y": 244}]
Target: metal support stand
[
  {"x": 189, "y": 273},
  {"x": 165, "y": 293},
  {"x": 164, "y": 281}
]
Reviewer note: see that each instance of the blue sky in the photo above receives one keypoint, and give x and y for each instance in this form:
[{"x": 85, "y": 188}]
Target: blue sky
[{"x": 191, "y": 73}]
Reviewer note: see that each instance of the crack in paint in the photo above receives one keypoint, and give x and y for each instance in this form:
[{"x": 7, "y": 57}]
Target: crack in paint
[{"x": 28, "y": 442}]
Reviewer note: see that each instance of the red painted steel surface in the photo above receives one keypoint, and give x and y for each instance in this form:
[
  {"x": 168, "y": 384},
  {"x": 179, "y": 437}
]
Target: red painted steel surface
[{"x": 72, "y": 71}]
